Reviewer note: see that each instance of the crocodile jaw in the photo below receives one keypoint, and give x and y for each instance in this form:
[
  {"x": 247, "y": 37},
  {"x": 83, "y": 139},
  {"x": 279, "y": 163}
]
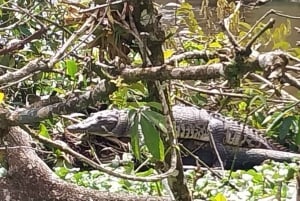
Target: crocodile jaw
[
  {"x": 87, "y": 127},
  {"x": 101, "y": 123}
]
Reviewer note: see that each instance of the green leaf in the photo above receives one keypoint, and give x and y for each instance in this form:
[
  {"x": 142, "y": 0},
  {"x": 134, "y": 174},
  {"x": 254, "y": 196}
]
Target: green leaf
[
  {"x": 24, "y": 30},
  {"x": 72, "y": 68},
  {"x": 215, "y": 45},
  {"x": 285, "y": 127},
  {"x": 267, "y": 119},
  {"x": 4, "y": 59},
  {"x": 168, "y": 53},
  {"x": 197, "y": 99},
  {"x": 44, "y": 131},
  {"x": 242, "y": 106},
  {"x": 2, "y": 97},
  {"x": 138, "y": 88},
  {"x": 133, "y": 131},
  {"x": 244, "y": 24},
  {"x": 146, "y": 173},
  {"x": 36, "y": 47},
  {"x": 59, "y": 90},
  {"x": 282, "y": 45},
  {"x": 220, "y": 197},
  {"x": 156, "y": 118},
  {"x": 256, "y": 176},
  {"x": 258, "y": 118},
  {"x": 61, "y": 171},
  {"x": 280, "y": 116},
  {"x": 261, "y": 98},
  {"x": 155, "y": 105},
  {"x": 291, "y": 174},
  {"x": 152, "y": 139}
]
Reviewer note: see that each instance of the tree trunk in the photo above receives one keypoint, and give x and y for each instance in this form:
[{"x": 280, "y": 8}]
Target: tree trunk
[{"x": 30, "y": 179}]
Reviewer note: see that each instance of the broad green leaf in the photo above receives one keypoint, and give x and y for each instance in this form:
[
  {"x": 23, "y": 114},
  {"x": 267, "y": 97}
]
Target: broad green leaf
[
  {"x": 152, "y": 139},
  {"x": 44, "y": 131},
  {"x": 138, "y": 89},
  {"x": 280, "y": 116},
  {"x": 285, "y": 127},
  {"x": 156, "y": 118},
  {"x": 72, "y": 68},
  {"x": 155, "y": 105},
  {"x": 24, "y": 30},
  {"x": 134, "y": 133}
]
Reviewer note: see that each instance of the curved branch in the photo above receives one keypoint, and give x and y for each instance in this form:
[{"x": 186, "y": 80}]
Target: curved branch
[{"x": 26, "y": 169}]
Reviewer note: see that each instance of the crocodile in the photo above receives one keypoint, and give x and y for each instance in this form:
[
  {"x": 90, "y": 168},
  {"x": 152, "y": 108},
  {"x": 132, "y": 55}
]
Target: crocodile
[{"x": 190, "y": 123}]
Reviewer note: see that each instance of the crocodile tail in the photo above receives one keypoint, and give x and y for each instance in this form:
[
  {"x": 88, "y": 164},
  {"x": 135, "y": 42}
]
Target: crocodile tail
[
  {"x": 255, "y": 134},
  {"x": 267, "y": 140},
  {"x": 276, "y": 145}
]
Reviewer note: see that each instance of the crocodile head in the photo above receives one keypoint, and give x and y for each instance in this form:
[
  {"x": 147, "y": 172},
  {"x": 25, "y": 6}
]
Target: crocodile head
[{"x": 104, "y": 123}]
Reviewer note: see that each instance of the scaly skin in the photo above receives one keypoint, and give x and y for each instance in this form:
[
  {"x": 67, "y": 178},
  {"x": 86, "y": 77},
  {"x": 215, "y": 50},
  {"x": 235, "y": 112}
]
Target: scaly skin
[{"x": 190, "y": 122}]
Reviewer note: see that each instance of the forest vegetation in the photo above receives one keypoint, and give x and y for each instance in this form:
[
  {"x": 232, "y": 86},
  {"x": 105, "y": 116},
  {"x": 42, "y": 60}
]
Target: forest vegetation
[{"x": 61, "y": 61}]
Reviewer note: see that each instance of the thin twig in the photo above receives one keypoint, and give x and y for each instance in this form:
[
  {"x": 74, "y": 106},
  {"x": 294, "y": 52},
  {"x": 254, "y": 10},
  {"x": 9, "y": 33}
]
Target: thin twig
[
  {"x": 225, "y": 26},
  {"x": 206, "y": 166},
  {"x": 272, "y": 86},
  {"x": 73, "y": 37},
  {"x": 210, "y": 92},
  {"x": 84, "y": 159},
  {"x": 102, "y": 6},
  {"x": 18, "y": 81},
  {"x": 269, "y": 25},
  {"x": 272, "y": 11}
]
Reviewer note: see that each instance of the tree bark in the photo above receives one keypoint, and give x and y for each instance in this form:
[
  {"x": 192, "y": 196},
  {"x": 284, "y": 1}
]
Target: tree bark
[{"x": 30, "y": 179}]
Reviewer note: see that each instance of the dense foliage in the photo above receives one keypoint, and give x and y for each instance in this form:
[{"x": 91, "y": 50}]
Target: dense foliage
[
  {"x": 38, "y": 29},
  {"x": 270, "y": 180}
]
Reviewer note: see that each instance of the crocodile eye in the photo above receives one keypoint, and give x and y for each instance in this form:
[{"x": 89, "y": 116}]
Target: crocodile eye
[{"x": 99, "y": 118}]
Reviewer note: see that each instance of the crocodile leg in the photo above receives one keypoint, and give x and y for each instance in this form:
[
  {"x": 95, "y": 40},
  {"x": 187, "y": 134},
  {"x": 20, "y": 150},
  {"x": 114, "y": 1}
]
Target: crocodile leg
[{"x": 217, "y": 132}]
